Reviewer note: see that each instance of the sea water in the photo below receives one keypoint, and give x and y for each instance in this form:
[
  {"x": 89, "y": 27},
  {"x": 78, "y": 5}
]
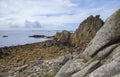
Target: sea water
[{"x": 21, "y": 37}]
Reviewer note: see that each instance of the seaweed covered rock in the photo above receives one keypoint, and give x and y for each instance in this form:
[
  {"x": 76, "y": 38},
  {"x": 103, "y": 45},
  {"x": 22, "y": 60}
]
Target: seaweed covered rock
[
  {"x": 3, "y": 53},
  {"x": 87, "y": 30}
]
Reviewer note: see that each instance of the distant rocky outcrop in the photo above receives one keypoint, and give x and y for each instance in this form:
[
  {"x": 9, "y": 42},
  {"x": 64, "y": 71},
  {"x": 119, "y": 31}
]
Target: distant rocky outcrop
[
  {"x": 87, "y": 30},
  {"x": 38, "y": 36},
  {"x": 41, "y": 36},
  {"x": 4, "y": 36},
  {"x": 63, "y": 37},
  {"x": 84, "y": 34},
  {"x": 101, "y": 58}
]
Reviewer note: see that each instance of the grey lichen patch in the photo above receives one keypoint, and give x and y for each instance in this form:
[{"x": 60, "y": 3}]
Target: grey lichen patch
[
  {"x": 117, "y": 16},
  {"x": 116, "y": 27},
  {"x": 117, "y": 19}
]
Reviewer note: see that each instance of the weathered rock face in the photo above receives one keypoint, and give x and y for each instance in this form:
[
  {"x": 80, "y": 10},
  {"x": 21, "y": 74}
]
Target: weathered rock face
[
  {"x": 87, "y": 30},
  {"x": 108, "y": 34},
  {"x": 87, "y": 69},
  {"x": 83, "y": 34},
  {"x": 70, "y": 67},
  {"x": 107, "y": 70},
  {"x": 63, "y": 37}
]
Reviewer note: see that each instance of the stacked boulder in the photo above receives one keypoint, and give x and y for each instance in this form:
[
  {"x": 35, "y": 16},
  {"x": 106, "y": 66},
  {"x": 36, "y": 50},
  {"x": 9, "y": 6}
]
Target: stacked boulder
[{"x": 63, "y": 37}]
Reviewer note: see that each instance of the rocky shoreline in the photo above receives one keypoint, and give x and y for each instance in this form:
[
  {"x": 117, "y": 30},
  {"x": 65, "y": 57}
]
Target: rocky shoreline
[{"x": 13, "y": 59}]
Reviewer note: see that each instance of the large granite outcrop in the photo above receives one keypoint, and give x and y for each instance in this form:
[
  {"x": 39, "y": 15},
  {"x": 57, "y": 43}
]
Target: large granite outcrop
[
  {"x": 102, "y": 56},
  {"x": 107, "y": 35},
  {"x": 87, "y": 30},
  {"x": 84, "y": 34}
]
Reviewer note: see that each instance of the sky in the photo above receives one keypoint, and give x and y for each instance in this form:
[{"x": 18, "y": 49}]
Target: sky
[{"x": 52, "y": 14}]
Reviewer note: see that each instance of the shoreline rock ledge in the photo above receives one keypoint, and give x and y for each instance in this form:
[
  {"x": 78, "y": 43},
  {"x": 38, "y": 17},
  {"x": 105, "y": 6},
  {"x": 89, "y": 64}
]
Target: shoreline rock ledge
[{"x": 101, "y": 58}]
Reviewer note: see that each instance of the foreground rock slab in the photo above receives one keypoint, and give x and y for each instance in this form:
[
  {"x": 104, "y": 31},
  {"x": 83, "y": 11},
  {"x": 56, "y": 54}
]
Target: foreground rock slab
[
  {"x": 87, "y": 69},
  {"x": 107, "y": 70},
  {"x": 70, "y": 67}
]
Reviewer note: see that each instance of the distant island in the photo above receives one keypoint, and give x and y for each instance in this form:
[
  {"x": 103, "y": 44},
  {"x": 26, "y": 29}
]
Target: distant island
[
  {"x": 40, "y": 36},
  {"x": 4, "y": 36}
]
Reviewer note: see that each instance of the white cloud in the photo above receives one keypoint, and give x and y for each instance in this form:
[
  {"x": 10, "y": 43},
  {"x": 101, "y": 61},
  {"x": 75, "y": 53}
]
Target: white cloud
[{"x": 53, "y": 12}]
